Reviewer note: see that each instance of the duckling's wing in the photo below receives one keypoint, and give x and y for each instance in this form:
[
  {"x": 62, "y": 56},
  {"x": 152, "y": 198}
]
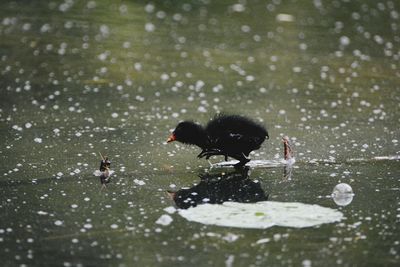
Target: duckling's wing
[{"x": 232, "y": 142}]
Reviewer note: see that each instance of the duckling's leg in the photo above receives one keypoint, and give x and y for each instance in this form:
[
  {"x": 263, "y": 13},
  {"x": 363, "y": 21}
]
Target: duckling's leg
[
  {"x": 209, "y": 153},
  {"x": 202, "y": 153},
  {"x": 216, "y": 153},
  {"x": 242, "y": 160}
]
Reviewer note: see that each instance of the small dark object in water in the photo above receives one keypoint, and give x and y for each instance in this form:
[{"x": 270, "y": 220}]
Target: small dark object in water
[
  {"x": 105, "y": 165},
  {"x": 226, "y": 135},
  {"x": 288, "y": 152}
]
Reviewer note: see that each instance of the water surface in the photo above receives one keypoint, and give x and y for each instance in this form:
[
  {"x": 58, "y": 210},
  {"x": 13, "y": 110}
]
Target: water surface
[{"x": 82, "y": 77}]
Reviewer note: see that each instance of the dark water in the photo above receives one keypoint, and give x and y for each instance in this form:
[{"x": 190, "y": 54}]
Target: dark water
[{"x": 82, "y": 77}]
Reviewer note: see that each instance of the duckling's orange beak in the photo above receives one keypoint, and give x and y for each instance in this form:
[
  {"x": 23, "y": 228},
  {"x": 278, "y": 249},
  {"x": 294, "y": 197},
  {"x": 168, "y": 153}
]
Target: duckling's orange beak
[{"x": 171, "y": 138}]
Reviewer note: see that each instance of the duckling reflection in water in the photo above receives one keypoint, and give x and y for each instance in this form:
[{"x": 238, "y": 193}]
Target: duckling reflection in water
[{"x": 216, "y": 188}]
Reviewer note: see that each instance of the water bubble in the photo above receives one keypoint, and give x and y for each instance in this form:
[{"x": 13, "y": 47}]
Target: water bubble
[{"x": 342, "y": 194}]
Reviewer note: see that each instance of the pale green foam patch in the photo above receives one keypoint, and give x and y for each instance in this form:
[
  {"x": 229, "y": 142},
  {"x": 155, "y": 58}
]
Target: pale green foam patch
[{"x": 262, "y": 215}]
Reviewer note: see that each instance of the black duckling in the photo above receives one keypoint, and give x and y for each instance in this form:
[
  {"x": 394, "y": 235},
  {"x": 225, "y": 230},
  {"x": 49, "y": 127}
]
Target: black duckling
[{"x": 226, "y": 135}]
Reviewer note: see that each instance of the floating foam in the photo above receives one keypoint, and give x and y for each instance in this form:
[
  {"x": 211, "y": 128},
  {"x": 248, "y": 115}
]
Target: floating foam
[{"x": 262, "y": 214}]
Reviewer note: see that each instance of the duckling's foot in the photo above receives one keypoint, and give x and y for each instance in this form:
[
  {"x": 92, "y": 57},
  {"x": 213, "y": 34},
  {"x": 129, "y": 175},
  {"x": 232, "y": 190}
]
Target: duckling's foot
[{"x": 241, "y": 163}]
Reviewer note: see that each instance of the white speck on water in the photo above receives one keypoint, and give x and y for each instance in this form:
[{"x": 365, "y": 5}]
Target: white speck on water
[
  {"x": 238, "y": 8},
  {"x": 86, "y": 199},
  {"x": 28, "y": 125},
  {"x": 42, "y": 212},
  {"x": 26, "y": 26},
  {"x": 137, "y": 66},
  {"x": 263, "y": 240},
  {"x": 296, "y": 69},
  {"x": 38, "y": 140},
  {"x": 58, "y": 223},
  {"x": 165, "y": 220},
  {"x": 74, "y": 206},
  {"x": 114, "y": 226},
  {"x": 139, "y": 182},
  {"x": 149, "y": 8},
  {"x": 250, "y": 78},
  {"x": 199, "y": 84},
  {"x": 306, "y": 263},
  {"x": 263, "y": 90},
  {"x": 230, "y": 237},
  {"x": 161, "y": 14},
  {"x": 149, "y": 27},
  {"x": 164, "y": 77},
  {"x": 139, "y": 98},
  {"x": 229, "y": 261},
  {"x": 277, "y": 237},
  {"x": 170, "y": 209},
  {"x": 17, "y": 128},
  {"x": 344, "y": 40},
  {"x": 284, "y": 17},
  {"x": 202, "y": 109},
  {"x": 303, "y": 46},
  {"x": 245, "y": 28},
  {"x": 114, "y": 115}
]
